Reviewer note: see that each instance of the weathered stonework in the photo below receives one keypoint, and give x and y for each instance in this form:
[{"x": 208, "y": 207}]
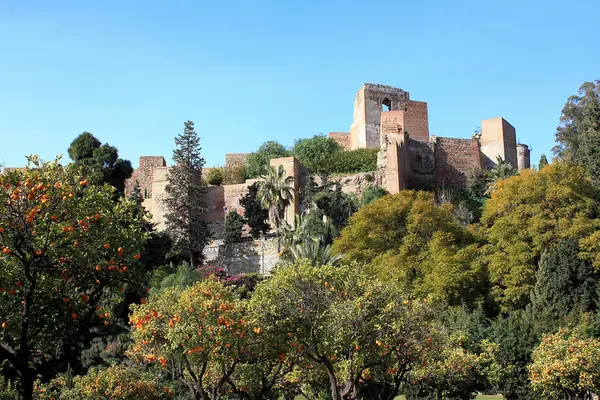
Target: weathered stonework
[
  {"x": 232, "y": 159},
  {"x": 341, "y": 138},
  {"x": 409, "y": 157}
]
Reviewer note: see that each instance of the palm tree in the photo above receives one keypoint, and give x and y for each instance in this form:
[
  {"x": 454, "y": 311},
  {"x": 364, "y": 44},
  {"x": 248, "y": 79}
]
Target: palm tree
[
  {"x": 314, "y": 251},
  {"x": 501, "y": 171},
  {"x": 275, "y": 193}
]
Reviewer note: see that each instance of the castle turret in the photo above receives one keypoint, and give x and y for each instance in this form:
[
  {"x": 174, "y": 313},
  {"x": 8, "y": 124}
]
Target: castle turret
[{"x": 523, "y": 156}]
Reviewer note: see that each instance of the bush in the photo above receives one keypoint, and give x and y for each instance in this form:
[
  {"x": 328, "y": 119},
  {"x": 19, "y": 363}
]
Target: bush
[
  {"x": 215, "y": 176},
  {"x": 234, "y": 174},
  {"x": 258, "y": 161},
  {"x": 233, "y": 227},
  {"x": 117, "y": 382},
  {"x": 353, "y": 161},
  {"x": 372, "y": 193},
  {"x": 313, "y": 153}
]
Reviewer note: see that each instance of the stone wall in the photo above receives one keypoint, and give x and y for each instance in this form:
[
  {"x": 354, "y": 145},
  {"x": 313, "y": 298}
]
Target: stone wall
[
  {"x": 416, "y": 120},
  {"x": 235, "y": 159},
  {"x": 144, "y": 175},
  {"x": 356, "y": 183},
  {"x": 341, "y": 138},
  {"x": 454, "y": 158},
  {"x": 249, "y": 256}
]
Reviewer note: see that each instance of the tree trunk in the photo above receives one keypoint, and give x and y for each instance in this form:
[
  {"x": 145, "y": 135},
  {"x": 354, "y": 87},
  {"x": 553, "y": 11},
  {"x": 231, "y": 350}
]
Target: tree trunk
[
  {"x": 26, "y": 384},
  {"x": 333, "y": 385}
]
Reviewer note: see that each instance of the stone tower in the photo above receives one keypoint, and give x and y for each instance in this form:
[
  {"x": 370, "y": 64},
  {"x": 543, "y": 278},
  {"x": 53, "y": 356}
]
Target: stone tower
[
  {"x": 371, "y": 100},
  {"x": 523, "y": 156},
  {"x": 498, "y": 139}
]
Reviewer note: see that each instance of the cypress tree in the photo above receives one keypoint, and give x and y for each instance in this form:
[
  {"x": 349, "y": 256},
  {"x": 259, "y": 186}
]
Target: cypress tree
[{"x": 186, "y": 214}]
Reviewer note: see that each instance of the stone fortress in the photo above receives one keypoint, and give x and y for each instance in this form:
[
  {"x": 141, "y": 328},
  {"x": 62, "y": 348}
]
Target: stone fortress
[{"x": 385, "y": 118}]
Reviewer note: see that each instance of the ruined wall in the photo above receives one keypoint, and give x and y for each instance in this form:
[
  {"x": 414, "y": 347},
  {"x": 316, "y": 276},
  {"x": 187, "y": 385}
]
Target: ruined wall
[
  {"x": 342, "y": 139},
  {"x": 235, "y": 159},
  {"x": 523, "y": 157},
  {"x": 416, "y": 120},
  {"x": 498, "y": 139},
  {"x": 144, "y": 175},
  {"x": 365, "y": 129},
  {"x": 454, "y": 158}
]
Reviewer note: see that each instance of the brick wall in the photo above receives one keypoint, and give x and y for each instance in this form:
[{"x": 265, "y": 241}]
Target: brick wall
[
  {"x": 416, "y": 120},
  {"x": 341, "y": 138},
  {"x": 454, "y": 159}
]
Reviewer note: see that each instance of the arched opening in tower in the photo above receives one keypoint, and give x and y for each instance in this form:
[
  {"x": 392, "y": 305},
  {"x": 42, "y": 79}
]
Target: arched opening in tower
[{"x": 386, "y": 105}]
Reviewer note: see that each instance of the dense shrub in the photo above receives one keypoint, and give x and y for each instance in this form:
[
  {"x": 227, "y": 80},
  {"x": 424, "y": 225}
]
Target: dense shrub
[
  {"x": 258, "y": 161},
  {"x": 313, "y": 153},
  {"x": 372, "y": 193},
  {"x": 215, "y": 176},
  {"x": 117, "y": 382},
  {"x": 234, "y": 174},
  {"x": 233, "y": 227},
  {"x": 353, "y": 161}
]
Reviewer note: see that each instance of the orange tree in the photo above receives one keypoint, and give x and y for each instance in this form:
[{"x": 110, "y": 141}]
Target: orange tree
[
  {"x": 360, "y": 333},
  {"x": 116, "y": 381},
  {"x": 566, "y": 366},
  {"x": 530, "y": 213},
  {"x": 202, "y": 335},
  {"x": 454, "y": 372},
  {"x": 68, "y": 253}
]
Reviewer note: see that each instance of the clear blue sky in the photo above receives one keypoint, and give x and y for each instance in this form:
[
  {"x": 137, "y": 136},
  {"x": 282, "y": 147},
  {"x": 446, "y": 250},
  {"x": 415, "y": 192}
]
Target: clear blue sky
[{"x": 132, "y": 71}]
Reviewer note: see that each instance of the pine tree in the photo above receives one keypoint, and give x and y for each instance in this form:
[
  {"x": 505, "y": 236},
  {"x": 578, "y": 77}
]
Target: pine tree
[
  {"x": 185, "y": 217},
  {"x": 137, "y": 197}
]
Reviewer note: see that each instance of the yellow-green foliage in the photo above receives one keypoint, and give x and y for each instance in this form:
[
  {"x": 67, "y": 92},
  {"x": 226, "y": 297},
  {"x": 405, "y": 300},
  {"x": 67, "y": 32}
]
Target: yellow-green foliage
[
  {"x": 565, "y": 365},
  {"x": 115, "y": 382},
  {"x": 526, "y": 215},
  {"x": 409, "y": 238}
]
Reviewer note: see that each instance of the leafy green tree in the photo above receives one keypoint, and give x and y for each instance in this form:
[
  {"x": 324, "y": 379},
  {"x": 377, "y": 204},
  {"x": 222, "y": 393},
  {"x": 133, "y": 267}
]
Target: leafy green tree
[
  {"x": 336, "y": 205},
  {"x": 578, "y": 135},
  {"x": 566, "y": 366},
  {"x": 565, "y": 287},
  {"x": 372, "y": 193},
  {"x": 275, "y": 193},
  {"x": 314, "y": 153},
  {"x": 186, "y": 214},
  {"x": 257, "y": 163},
  {"x": 69, "y": 252},
  {"x": 254, "y": 213},
  {"x": 309, "y": 236},
  {"x": 453, "y": 373},
  {"x": 526, "y": 215},
  {"x": 204, "y": 337},
  {"x": 352, "y": 161},
  {"x": 543, "y": 161},
  {"x": 412, "y": 240},
  {"x": 102, "y": 160},
  {"x": 215, "y": 176},
  {"x": 234, "y": 223},
  {"x": 361, "y": 333}
]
